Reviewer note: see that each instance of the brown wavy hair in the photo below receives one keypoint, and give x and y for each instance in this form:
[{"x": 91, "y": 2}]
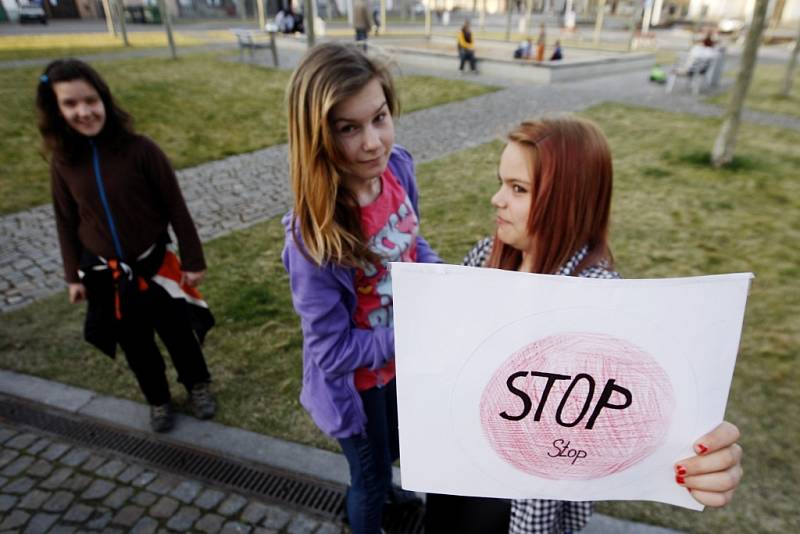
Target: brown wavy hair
[
  {"x": 58, "y": 138},
  {"x": 325, "y": 211},
  {"x": 570, "y": 198}
]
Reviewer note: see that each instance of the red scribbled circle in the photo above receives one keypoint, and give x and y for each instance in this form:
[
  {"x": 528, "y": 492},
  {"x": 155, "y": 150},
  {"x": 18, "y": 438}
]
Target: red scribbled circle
[{"x": 618, "y": 438}]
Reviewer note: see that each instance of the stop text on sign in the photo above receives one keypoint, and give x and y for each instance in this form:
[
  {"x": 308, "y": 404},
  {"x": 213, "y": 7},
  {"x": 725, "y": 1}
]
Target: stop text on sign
[{"x": 603, "y": 402}]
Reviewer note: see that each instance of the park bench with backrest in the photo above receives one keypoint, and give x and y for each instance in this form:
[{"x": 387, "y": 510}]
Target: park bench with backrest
[{"x": 253, "y": 40}]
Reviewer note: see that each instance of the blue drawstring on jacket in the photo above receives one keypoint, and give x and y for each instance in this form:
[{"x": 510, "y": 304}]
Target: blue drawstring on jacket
[{"x": 104, "y": 200}]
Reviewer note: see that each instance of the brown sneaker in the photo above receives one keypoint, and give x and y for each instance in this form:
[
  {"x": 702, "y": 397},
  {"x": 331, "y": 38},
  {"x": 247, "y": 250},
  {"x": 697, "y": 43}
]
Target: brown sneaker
[
  {"x": 161, "y": 417},
  {"x": 202, "y": 401}
]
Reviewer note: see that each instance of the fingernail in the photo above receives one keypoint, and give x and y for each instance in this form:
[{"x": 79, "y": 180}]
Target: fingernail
[
  {"x": 680, "y": 469},
  {"x": 679, "y": 479},
  {"x": 701, "y": 449}
]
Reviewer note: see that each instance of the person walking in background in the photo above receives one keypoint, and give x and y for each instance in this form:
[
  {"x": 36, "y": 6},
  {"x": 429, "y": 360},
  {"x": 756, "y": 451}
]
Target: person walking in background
[
  {"x": 541, "y": 42},
  {"x": 114, "y": 195},
  {"x": 376, "y": 19},
  {"x": 355, "y": 210},
  {"x": 466, "y": 48},
  {"x": 361, "y": 21}
]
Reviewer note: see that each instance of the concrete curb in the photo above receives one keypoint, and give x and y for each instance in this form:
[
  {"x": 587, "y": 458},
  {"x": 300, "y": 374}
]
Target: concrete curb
[
  {"x": 229, "y": 441},
  {"x": 214, "y": 437}
]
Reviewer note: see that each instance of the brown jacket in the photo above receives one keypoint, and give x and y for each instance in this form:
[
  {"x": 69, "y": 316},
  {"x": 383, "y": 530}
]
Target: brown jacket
[{"x": 144, "y": 198}]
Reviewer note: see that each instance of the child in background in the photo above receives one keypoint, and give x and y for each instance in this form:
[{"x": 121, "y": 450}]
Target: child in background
[{"x": 114, "y": 194}]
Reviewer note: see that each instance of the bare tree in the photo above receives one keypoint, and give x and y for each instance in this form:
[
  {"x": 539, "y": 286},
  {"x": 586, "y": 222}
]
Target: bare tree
[
  {"x": 789, "y": 79},
  {"x": 598, "y": 21},
  {"x": 722, "y": 153},
  {"x": 166, "y": 18}
]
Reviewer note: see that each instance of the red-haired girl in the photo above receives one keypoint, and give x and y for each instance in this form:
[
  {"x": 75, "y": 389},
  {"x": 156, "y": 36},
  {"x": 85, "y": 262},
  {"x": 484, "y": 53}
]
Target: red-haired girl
[{"x": 552, "y": 217}]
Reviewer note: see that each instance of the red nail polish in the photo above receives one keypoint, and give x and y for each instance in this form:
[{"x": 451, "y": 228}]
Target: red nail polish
[
  {"x": 679, "y": 479},
  {"x": 701, "y": 449},
  {"x": 680, "y": 469}
]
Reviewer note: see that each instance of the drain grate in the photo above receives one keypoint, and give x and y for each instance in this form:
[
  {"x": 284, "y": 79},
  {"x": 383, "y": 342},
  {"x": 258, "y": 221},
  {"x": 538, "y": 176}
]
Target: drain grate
[{"x": 315, "y": 496}]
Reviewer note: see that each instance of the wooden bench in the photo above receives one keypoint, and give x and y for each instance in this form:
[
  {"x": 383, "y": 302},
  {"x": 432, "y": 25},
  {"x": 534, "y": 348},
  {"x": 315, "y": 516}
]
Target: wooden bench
[{"x": 253, "y": 39}]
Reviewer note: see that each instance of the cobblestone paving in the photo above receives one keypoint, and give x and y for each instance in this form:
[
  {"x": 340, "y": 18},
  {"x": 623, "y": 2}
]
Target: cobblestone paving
[
  {"x": 47, "y": 485},
  {"x": 242, "y": 190}
]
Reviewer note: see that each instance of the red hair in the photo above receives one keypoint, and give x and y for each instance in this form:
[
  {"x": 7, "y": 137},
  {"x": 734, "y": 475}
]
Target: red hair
[{"x": 570, "y": 197}]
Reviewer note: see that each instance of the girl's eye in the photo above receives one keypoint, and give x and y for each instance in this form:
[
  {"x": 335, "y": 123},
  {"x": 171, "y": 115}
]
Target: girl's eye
[
  {"x": 380, "y": 117},
  {"x": 518, "y": 189},
  {"x": 347, "y": 129}
]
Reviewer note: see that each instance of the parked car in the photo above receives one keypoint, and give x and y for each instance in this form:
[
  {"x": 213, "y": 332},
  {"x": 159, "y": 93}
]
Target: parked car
[{"x": 32, "y": 13}]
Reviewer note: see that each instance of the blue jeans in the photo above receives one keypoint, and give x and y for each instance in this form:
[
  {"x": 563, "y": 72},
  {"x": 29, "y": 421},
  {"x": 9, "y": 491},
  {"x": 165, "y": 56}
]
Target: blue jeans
[{"x": 370, "y": 457}]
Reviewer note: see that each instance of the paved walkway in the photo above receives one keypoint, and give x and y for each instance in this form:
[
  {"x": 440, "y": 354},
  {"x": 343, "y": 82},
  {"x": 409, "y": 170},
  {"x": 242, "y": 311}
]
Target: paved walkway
[
  {"x": 242, "y": 190},
  {"x": 49, "y": 484}
]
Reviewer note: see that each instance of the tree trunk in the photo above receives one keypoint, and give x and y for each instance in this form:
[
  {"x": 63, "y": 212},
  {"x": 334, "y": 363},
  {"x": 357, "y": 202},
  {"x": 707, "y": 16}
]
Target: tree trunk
[
  {"x": 777, "y": 13},
  {"x": 528, "y": 11},
  {"x": 166, "y": 20},
  {"x": 789, "y": 79},
  {"x": 598, "y": 22},
  {"x": 122, "y": 25},
  {"x": 722, "y": 153},
  {"x": 508, "y": 20}
]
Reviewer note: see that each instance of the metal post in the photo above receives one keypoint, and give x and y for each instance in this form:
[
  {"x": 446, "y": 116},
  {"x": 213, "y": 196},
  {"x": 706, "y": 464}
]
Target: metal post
[
  {"x": 166, "y": 19},
  {"x": 309, "y": 21}
]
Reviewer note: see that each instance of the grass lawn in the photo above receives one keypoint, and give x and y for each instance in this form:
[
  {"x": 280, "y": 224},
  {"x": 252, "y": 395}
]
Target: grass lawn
[
  {"x": 763, "y": 94},
  {"x": 673, "y": 216},
  {"x": 58, "y": 45},
  {"x": 198, "y": 108}
]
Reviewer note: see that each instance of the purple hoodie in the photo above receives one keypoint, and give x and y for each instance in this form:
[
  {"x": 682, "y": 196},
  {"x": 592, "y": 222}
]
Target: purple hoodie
[{"x": 333, "y": 348}]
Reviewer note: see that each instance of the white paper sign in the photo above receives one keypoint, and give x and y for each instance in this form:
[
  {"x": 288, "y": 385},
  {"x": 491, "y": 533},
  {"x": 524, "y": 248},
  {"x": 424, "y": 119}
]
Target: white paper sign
[{"x": 520, "y": 385}]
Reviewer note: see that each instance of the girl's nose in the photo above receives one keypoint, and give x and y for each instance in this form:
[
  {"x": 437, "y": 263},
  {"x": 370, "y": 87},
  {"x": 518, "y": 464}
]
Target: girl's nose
[
  {"x": 372, "y": 140},
  {"x": 84, "y": 110},
  {"x": 497, "y": 199}
]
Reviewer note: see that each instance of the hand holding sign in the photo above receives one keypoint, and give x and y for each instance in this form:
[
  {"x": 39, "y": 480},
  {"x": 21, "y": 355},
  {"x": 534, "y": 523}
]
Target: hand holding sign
[{"x": 712, "y": 476}]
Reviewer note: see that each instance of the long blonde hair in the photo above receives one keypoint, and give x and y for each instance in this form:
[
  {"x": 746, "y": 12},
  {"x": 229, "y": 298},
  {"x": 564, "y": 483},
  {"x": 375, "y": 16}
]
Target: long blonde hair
[{"x": 326, "y": 212}]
